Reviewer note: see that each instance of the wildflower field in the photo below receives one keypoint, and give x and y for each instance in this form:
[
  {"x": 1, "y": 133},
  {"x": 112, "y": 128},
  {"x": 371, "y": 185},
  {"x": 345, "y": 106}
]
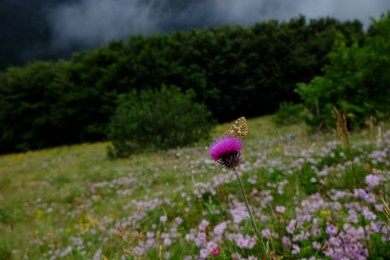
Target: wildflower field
[{"x": 311, "y": 198}]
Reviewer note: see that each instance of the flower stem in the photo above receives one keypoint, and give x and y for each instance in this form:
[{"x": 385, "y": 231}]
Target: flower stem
[{"x": 265, "y": 251}]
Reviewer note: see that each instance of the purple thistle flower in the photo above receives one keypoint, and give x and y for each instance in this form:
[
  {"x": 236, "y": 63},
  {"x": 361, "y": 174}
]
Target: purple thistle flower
[{"x": 226, "y": 151}]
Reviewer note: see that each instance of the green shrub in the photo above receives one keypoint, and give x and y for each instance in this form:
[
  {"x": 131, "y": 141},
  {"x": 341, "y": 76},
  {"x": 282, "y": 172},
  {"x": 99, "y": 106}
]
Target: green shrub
[
  {"x": 289, "y": 113},
  {"x": 355, "y": 81},
  {"x": 157, "y": 119}
]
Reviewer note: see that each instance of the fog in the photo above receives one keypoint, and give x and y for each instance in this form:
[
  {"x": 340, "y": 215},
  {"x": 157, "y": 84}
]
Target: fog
[
  {"x": 94, "y": 22},
  {"x": 51, "y": 29}
]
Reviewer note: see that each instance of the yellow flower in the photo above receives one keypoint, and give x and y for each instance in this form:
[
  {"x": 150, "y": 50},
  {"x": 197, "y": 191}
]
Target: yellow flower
[
  {"x": 325, "y": 213},
  {"x": 88, "y": 225},
  {"x": 39, "y": 213}
]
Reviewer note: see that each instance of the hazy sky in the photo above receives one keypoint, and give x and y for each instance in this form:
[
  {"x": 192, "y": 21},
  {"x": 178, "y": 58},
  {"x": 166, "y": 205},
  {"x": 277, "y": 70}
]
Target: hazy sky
[{"x": 93, "y": 22}]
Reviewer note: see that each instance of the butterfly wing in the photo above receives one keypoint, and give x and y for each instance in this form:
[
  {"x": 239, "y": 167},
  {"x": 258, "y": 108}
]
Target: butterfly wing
[{"x": 239, "y": 128}]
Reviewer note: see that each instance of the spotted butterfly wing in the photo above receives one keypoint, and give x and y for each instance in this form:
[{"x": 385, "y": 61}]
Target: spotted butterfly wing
[{"x": 239, "y": 128}]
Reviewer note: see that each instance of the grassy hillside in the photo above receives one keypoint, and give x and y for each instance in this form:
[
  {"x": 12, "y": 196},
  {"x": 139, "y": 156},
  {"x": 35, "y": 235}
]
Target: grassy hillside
[{"x": 310, "y": 197}]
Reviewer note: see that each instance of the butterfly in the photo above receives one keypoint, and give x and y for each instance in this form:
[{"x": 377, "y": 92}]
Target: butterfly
[{"x": 239, "y": 128}]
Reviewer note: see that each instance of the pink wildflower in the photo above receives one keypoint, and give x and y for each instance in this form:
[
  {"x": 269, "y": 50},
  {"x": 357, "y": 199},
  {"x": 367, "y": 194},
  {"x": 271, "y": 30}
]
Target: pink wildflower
[
  {"x": 167, "y": 241},
  {"x": 286, "y": 241},
  {"x": 296, "y": 249},
  {"x": 266, "y": 233},
  {"x": 331, "y": 229},
  {"x": 216, "y": 251},
  {"x": 316, "y": 245},
  {"x": 226, "y": 151},
  {"x": 163, "y": 218},
  {"x": 373, "y": 180},
  {"x": 291, "y": 226},
  {"x": 280, "y": 209}
]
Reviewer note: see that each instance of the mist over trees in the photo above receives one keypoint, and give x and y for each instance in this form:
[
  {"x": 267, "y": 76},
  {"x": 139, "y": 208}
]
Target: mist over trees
[{"x": 52, "y": 29}]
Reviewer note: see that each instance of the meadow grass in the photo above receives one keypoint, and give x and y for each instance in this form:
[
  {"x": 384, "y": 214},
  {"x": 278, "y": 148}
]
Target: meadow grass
[{"x": 74, "y": 203}]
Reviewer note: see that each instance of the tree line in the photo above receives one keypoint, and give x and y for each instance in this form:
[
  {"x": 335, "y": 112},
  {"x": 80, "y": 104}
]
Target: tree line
[{"x": 232, "y": 70}]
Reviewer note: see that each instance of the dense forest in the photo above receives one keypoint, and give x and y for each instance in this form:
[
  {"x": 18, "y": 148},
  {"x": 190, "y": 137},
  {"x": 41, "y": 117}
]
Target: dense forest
[{"x": 233, "y": 70}]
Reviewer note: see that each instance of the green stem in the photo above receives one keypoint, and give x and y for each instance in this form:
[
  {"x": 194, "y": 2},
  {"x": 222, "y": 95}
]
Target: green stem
[
  {"x": 251, "y": 216},
  {"x": 361, "y": 204}
]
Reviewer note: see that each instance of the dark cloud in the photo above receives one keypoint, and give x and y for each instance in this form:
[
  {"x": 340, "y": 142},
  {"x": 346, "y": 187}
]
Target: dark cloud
[{"x": 94, "y": 22}]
